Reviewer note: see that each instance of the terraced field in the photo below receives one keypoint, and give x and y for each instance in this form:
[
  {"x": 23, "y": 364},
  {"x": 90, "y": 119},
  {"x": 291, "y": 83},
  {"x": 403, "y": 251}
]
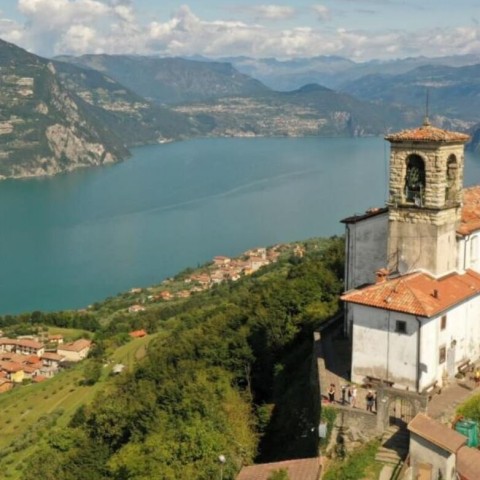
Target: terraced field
[{"x": 25, "y": 411}]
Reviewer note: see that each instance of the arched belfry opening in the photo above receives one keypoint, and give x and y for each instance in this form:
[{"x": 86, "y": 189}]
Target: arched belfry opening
[
  {"x": 415, "y": 180},
  {"x": 452, "y": 173}
]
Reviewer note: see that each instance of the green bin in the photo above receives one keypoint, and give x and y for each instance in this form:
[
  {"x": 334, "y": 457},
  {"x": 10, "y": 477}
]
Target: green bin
[{"x": 470, "y": 430}]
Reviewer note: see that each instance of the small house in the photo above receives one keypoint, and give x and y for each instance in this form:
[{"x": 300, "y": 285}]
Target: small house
[
  {"x": 437, "y": 451},
  {"x": 298, "y": 469},
  {"x": 75, "y": 351},
  {"x": 138, "y": 334}
]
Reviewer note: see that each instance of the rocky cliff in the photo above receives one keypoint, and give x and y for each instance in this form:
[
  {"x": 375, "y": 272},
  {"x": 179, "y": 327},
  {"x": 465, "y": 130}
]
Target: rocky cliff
[{"x": 44, "y": 128}]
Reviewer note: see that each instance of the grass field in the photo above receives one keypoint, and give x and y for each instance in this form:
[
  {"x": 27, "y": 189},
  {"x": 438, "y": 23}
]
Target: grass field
[
  {"x": 26, "y": 410},
  {"x": 68, "y": 333}
]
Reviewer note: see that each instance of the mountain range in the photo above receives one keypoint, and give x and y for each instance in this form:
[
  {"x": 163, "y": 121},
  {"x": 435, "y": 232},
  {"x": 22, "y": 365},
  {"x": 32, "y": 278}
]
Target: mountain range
[
  {"x": 71, "y": 112},
  {"x": 330, "y": 70}
]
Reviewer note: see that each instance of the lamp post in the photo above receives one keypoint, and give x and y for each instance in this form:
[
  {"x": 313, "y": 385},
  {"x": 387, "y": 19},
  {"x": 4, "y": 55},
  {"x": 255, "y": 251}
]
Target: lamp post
[{"x": 222, "y": 459}]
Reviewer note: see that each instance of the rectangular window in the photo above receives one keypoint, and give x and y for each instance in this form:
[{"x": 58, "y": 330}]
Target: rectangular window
[
  {"x": 401, "y": 326},
  {"x": 443, "y": 322},
  {"x": 442, "y": 354}
]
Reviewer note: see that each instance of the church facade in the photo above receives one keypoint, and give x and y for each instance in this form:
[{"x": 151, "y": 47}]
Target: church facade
[{"x": 412, "y": 273}]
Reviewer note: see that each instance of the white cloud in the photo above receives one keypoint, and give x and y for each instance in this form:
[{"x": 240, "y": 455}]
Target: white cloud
[
  {"x": 273, "y": 12},
  {"x": 111, "y": 26},
  {"x": 322, "y": 12}
]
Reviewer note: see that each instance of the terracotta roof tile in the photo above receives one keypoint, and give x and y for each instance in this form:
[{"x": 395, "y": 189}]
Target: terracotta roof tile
[
  {"x": 436, "y": 433},
  {"x": 470, "y": 220},
  {"x": 138, "y": 333},
  {"x": 418, "y": 293},
  {"x": 10, "y": 367},
  {"x": 76, "y": 346},
  {"x": 24, "y": 342},
  {"x": 52, "y": 356},
  {"x": 300, "y": 469},
  {"x": 468, "y": 463},
  {"x": 372, "y": 212},
  {"x": 31, "y": 368},
  {"x": 427, "y": 133}
]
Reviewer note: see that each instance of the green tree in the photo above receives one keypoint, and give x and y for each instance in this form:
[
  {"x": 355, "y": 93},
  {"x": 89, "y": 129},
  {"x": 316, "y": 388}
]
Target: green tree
[{"x": 92, "y": 371}]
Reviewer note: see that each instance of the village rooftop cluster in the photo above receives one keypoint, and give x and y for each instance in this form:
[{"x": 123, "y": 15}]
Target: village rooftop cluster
[
  {"x": 220, "y": 270},
  {"x": 27, "y": 358}
]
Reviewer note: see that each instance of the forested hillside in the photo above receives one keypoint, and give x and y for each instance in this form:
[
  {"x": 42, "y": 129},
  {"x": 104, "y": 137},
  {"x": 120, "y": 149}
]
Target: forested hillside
[{"x": 227, "y": 374}]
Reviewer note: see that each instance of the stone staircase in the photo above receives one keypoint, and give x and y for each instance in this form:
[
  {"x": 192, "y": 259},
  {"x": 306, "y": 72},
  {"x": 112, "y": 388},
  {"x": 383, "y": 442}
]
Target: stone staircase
[{"x": 394, "y": 448}]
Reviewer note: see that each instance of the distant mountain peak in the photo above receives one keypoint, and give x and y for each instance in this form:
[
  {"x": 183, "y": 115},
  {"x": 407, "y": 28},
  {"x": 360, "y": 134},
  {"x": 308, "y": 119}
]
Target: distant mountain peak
[{"x": 313, "y": 87}]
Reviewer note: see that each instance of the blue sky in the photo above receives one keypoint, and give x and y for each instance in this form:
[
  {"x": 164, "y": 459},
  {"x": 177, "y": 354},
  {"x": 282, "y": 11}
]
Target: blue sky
[{"x": 357, "y": 29}]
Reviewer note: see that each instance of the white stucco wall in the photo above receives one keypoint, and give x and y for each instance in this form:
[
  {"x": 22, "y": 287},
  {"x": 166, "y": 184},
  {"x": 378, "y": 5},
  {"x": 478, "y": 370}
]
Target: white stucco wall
[
  {"x": 366, "y": 245},
  {"x": 423, "y": 451},
  {"x": 380, "y": 352},
  {"x": 468, "y": 252}
]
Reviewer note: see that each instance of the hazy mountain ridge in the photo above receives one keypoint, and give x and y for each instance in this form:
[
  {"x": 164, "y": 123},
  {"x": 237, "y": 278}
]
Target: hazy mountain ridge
[
  {"x": 172, "y": 80},
  {"x": 453, "y": 91},
  {"x": 243, "y": 106},
  {"x": 332, "y": 71}
]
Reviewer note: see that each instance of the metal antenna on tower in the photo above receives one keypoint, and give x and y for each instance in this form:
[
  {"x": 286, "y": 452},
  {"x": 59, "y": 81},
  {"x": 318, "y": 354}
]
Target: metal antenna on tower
[{"x": 426, "y": 122}]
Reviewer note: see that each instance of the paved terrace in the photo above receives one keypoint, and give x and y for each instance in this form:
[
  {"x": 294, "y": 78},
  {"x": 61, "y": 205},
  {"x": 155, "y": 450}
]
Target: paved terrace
[
  {"x": 336, "y": 352},
  {"x": 337, "y": 355}
]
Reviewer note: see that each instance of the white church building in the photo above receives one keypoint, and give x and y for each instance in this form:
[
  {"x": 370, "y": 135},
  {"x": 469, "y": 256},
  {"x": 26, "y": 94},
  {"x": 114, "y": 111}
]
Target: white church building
[{"x": 412, "y": 274}]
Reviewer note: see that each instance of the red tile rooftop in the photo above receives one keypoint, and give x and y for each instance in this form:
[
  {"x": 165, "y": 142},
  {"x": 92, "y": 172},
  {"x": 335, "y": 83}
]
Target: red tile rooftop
[
  {"x": 418, "y": 293},
  {"x": 55, "y": 337},
  {"x": 299, "y": 469},
  {"x": 22, "y": 343},
  {"x": 10, "y": 367},
  {"x": 436, "y": 433},
  {"x": 468, "y": 463},
  {"x": 52, "y": 356},
  {"x": 138, "y": 333},
  {"x": 76, "y": 346},
  {"x": 470, "y": 220},
  {"x": 428, "y": 133}
]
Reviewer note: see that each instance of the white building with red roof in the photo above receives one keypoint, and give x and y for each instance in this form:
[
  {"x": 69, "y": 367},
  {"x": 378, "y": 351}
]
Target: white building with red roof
[
  {"x": 75, "y": 351},
  {"x": 22, "y": 346},
  {"x": 412, "y": 270}
]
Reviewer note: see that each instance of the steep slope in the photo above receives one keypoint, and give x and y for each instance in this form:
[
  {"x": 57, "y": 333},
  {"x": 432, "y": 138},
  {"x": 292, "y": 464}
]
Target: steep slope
[
  {"x": 171, "y": 80},
  {"x": 136, "y": 120},
  {"x": 44, "y": 129}
]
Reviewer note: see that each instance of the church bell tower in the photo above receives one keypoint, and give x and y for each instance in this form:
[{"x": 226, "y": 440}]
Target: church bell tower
[{"x": 425, "y": 198}]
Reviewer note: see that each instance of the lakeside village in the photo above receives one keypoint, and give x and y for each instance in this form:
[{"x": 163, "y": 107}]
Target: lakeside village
[
  {"x": 36, "y": 358},
  {"x": 221, "y": 269}
]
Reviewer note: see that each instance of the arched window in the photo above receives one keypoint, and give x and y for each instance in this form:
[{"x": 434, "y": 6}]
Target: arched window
[
  {"x": 415, "y": 180},
  {"x": 452, "y": 174}
]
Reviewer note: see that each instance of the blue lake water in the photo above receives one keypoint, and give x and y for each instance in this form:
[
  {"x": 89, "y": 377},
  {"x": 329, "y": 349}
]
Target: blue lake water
[{"x": 73, "y": 239}]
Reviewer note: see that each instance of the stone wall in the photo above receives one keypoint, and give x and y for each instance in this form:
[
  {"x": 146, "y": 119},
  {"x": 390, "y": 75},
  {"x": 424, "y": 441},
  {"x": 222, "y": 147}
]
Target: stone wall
[
  {"x": 436, "y": 160},
  {"x": 353, "y": 426}
]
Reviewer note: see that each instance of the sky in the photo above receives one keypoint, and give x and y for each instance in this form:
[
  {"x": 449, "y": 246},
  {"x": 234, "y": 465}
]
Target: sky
[{"x": 361, "y": 30}]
